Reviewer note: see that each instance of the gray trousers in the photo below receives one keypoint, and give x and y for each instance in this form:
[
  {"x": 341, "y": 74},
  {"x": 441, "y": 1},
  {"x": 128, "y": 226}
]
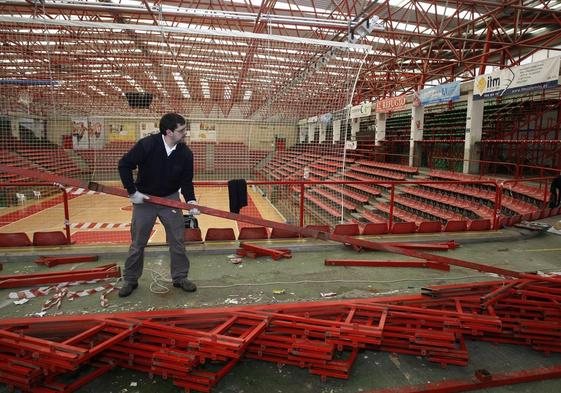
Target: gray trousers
[{"x": 143, "y": 219}]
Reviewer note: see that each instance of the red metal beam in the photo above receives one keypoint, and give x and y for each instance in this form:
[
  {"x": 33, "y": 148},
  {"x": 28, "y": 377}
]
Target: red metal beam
[
  {"x": 26, "y": 280},
  {"x": 491, "y": 380},
  {"x": 55, "y": 261},
  {"x": 359, "y": 262}
]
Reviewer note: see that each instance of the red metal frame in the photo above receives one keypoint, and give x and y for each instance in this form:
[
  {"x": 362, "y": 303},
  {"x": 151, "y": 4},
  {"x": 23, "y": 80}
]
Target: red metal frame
[
  {"x": 25, "y": 280},
  {"x": 254, "y": 251},
  {"x": 360, "y": 262},
  {"x": 482, "y": 380},
  {"x": 55, "y": 261}
]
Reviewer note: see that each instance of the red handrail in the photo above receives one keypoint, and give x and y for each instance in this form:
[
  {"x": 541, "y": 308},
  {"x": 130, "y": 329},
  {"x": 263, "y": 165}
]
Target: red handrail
[{"x": 64, "y": 201}]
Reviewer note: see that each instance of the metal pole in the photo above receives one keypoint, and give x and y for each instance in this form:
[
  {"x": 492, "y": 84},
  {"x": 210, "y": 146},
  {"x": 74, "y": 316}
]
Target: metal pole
[{"x": 66, "y": 215}]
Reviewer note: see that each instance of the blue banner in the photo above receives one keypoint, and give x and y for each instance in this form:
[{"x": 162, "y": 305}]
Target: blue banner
[{"x": 442, "y": 93}]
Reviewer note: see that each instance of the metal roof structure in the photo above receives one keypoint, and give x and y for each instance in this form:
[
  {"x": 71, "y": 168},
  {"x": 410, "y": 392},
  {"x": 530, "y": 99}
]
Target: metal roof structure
[{"x": 238, "y": 57}]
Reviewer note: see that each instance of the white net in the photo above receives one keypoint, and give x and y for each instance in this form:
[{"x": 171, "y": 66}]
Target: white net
[{"x": 76, "y": 95}]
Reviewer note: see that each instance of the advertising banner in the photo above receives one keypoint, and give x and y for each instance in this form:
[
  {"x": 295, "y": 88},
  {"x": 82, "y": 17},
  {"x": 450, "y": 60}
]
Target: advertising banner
[
  {"x": 361, "y": 110},
  {"x": 527, "y": 77},
  {"x": 80, "y": 133},
  {"x": 441, "y": 93},
  {"x": 96, "y": 132},
  {"x": 148, "y": 127},
  {"x": 391, "y": 104},
  {"x": 203, "y": 132},
  {"x": 122, "y": 132}
]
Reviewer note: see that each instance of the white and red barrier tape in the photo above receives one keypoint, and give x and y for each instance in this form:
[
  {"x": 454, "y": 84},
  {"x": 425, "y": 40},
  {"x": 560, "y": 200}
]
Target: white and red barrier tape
[
  {"x": 42, "y": 291},
  {"x": 100, "y": 225},
  {"x": 81, "y": 191},
  {"x": 62, "y": 293}
]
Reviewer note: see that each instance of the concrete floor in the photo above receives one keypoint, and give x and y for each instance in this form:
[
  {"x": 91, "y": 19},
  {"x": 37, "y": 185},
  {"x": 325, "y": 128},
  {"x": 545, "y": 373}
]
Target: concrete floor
[{"x": 304, "y": 277}]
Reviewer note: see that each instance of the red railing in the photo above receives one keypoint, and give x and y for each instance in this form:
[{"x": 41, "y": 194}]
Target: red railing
[
  {"x": 303, "y": 184},
  {"x": 498, "y": 187},
  {"x": 58, "y": 187},
  {"x": 517, "y": 171}
]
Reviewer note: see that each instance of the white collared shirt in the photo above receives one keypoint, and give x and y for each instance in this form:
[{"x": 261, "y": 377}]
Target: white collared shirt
[{"x": 169, "y": 150}]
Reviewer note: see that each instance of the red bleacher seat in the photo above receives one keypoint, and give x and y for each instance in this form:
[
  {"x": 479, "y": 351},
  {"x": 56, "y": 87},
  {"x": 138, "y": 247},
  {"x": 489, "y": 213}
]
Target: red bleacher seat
[
  {"x": 480, "y": 225},
  {"x": 193, "y": 235},
  {"x": 16, "y": 239},
  {"x": 220, "y": 234},
  {"x": 429, "y": 227},
  {"x": 536, "y": 215},
  {"x": 252, "y": 233},
  {"x": 322, "y": 228},
  {"x": 375, "y": 228},
  {"x": 347, "y": 229},
  {"x": 455, "y": 226},
  {"x": 403, "y": 227},
  {"x": 283, "y": 234},
  {"x": 54, "y": 238}
]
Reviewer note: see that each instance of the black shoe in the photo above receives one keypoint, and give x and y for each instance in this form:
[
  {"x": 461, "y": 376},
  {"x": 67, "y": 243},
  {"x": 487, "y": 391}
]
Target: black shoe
[
  {"x": 186, "y": 285},
  {"x": 127, "y": 289}
]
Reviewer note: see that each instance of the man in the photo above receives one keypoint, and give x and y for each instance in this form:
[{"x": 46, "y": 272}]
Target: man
[
  {"x": 555, "y": 189},
  {"x": 165, "y": 164}
]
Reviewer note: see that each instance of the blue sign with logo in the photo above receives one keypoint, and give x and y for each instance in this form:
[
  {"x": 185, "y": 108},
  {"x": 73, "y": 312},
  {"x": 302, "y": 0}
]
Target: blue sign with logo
[{"x": 441, "y": 93}]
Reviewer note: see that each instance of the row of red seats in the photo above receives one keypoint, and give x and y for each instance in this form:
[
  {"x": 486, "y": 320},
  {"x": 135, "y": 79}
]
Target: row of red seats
[
  {"x": 20, "y": 239},
  {"x": 394, "y": 167}
]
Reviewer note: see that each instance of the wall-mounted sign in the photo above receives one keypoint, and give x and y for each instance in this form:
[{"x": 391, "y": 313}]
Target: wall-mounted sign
[
  {"x": 441, "y": 93},
  {"x": 148, "y": 128},
  {"x": 203, "y": 132},
  {"x": 391, "y": 104},
  {"x": 350, "y": 145},
  {"x": 361, "y": 110},
  {"x": 527, "y": 77}
]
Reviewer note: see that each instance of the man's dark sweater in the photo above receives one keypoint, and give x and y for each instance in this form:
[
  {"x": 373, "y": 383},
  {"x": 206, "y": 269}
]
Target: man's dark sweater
[{"x": 158, "y": 174}]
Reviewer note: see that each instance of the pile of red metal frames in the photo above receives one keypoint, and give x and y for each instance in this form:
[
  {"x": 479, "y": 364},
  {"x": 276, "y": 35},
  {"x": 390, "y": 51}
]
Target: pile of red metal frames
[
  {"x": 27, "y": 280},
  {"x": 55, "y": 261},
  {"x": 195, "y": 348},
  {"x": 253, "y": 251}
]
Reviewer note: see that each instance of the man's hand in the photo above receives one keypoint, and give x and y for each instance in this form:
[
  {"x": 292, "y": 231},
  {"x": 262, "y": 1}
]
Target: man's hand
[
  {"x": 194, "y": 211},
  {"x": 138, "y": 197}
]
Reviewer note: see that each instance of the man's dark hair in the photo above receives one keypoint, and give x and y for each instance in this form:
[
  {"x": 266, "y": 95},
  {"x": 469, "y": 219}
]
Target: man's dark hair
[{"x": 169, "y": 121}]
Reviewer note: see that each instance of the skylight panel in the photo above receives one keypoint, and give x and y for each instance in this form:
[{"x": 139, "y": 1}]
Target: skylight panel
[
  {"x": 98, "y": 91},
  {"x": 114, "y": 86},
  {"x": 133, "y": 83},
  {"x": 181, "y": 84},
  {"x": 205, "y": 87}
]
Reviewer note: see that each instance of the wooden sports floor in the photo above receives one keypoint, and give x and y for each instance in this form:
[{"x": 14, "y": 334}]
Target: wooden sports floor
[{"x": 101, "y": 218}]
